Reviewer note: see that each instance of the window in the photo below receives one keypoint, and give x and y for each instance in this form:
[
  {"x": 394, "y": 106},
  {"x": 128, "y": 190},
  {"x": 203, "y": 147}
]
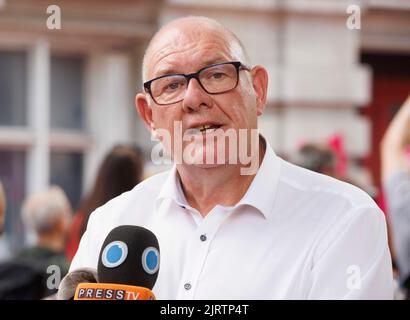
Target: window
[
  {"x": 13, "y": 112},
  {"x": 66, "y": 88},
  {"x": 68, "y": 142},
  {"x": 67, "y": 121},
  {"x": 12, "y": 176},
  {"x": 66, "y": 171},
  {"x": 13, "y": 86}
]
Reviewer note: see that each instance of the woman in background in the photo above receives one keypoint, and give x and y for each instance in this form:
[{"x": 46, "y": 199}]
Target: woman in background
[
  {"x": 120, "y": 171},
  {"x": 395, "y": 156}
]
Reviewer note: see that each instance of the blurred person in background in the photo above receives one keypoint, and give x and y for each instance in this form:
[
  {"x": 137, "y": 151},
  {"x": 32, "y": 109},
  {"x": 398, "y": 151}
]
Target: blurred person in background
[
  {"x": 395, "y": 156},
  {"x": 323, "y": 159},
  {"x": 317, "y": 158},
  {"x": 120, "y": 171},
  {"x": 47, "y": 215},
  {"x": 4, "y": 247}
]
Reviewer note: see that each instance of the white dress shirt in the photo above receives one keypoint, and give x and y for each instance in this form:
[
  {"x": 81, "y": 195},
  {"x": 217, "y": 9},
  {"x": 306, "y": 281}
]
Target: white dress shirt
[{"x": 295, "y": 234}]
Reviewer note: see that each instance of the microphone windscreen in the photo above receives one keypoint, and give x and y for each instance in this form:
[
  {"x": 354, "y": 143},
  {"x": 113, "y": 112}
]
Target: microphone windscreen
[
  {"x": 130, "y": 256},
  {"x": 70, "y": 282}
]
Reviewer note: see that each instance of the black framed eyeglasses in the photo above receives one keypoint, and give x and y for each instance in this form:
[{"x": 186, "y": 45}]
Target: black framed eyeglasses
[{"x": 214, "y": 79}]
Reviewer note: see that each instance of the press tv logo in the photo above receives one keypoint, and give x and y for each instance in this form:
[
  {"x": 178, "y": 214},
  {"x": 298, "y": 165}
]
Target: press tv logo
[
  {"x": 105, "y": 294},
  {"x": 99, "y": 291}
]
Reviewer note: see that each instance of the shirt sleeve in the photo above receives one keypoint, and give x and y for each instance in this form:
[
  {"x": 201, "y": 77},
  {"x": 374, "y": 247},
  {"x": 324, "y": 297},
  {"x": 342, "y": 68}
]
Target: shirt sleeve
[
  {"x": 397, "y": 191},
  {"x": 354, "y": 260}
]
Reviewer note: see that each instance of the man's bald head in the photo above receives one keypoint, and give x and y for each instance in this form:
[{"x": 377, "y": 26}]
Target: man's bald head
[{"x": 174, "y": 31}]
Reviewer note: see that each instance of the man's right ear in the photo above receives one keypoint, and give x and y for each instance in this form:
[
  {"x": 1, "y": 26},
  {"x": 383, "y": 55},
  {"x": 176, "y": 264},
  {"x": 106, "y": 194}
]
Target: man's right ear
[{"x": 144, "y": 110}]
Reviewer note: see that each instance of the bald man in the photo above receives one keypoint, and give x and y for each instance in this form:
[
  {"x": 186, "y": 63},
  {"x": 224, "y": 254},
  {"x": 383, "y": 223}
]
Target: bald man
[{"x": 233, "y": 220}]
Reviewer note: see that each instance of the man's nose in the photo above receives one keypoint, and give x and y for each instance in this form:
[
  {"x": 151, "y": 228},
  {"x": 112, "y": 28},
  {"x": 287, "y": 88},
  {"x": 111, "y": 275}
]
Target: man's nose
[{"x": 195, "y": 97}]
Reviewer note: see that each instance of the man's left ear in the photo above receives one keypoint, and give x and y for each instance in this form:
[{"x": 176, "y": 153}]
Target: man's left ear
[{"x": 260, "y": 85}]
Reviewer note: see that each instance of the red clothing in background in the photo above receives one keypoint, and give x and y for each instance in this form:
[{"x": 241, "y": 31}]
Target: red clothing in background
[{"x": 74, "y": 235}]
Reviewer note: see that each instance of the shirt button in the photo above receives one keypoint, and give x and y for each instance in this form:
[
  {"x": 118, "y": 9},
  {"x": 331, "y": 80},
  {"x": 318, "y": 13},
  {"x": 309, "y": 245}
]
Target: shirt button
[
  {"x": 187, "y": 286},
  {"x": 203, "y": 237}
]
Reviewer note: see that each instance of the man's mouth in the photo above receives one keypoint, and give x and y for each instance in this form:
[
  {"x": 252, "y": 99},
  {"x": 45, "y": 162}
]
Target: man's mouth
[{"x": 207, "y": 128}]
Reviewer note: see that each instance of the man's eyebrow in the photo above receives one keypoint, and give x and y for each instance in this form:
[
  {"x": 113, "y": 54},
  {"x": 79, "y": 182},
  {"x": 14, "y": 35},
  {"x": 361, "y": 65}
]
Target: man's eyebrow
[
  {"x": 169, "y": 70},
  {"x": 215, "y": 61},
  {"x": 165, "y": 71}
]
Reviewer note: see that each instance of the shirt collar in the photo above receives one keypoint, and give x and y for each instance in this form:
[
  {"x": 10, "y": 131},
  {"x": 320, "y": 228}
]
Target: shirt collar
[
  {"x": 172, "y": 189},
  {"x": 261, "y": 193}
]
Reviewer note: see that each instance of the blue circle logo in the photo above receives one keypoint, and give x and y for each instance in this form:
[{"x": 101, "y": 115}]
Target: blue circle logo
[
  {"x": 114, "y": 254},
  {"x": 150, "y": 260}
]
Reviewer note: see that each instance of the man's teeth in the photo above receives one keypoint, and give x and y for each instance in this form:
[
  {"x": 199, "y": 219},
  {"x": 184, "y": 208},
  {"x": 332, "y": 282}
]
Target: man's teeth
[
  {"x": 207, "y": 128},
  {"x": 202, "y": 129}
]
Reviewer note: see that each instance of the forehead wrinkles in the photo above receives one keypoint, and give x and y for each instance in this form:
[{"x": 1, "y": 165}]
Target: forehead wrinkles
[
  {"x": 170, "y": 50},
  {"x": 180, "y": 43}
]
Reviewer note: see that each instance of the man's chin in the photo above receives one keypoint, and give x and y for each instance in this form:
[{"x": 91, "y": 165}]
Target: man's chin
[{"x": 202, "y": 164}]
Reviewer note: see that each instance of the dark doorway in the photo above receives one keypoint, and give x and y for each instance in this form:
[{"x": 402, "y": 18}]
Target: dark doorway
[{"x": 390, "y": 87}]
